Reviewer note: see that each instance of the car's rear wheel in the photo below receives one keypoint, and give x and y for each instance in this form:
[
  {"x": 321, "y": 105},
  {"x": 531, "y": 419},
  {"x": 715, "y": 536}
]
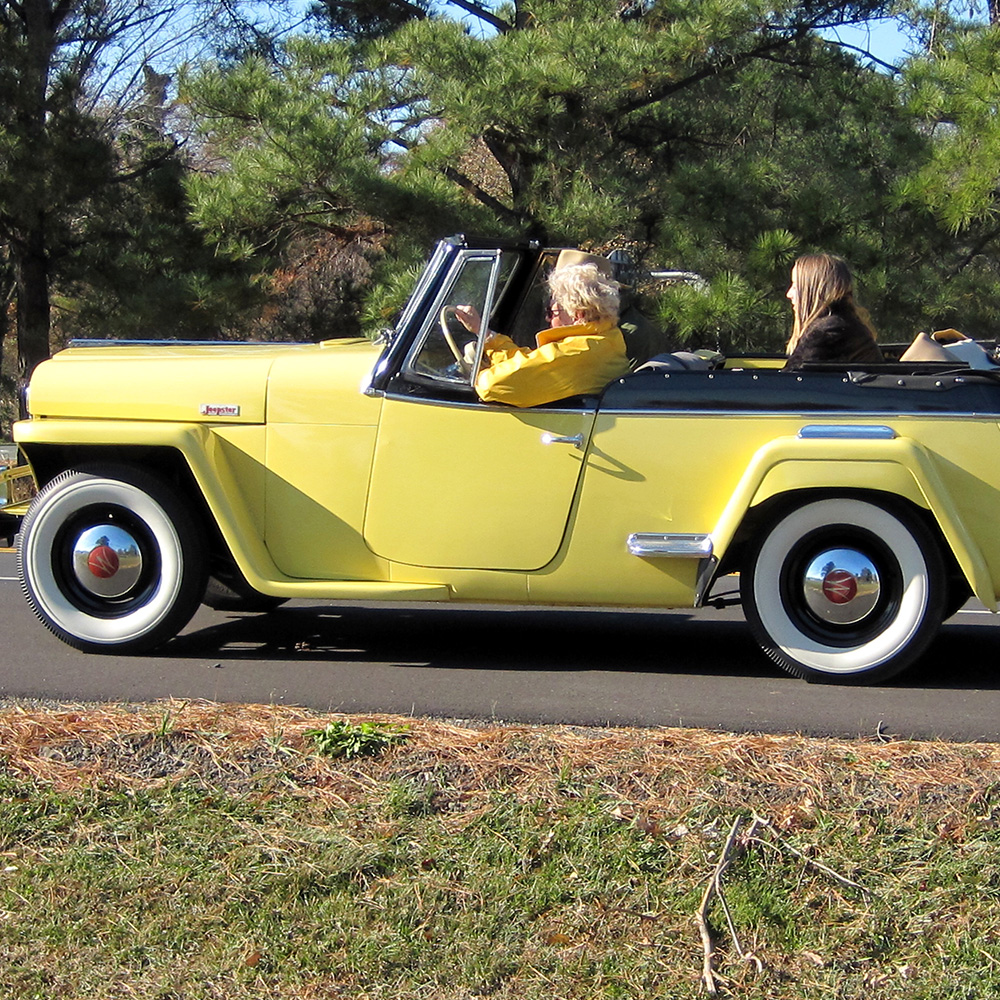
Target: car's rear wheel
[
  {"x": 842, "y": 590},
  {"x": 111, "y": 559}
]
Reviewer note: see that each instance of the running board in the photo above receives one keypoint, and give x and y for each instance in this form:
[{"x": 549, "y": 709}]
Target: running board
[{"x": 357, "y": 590}]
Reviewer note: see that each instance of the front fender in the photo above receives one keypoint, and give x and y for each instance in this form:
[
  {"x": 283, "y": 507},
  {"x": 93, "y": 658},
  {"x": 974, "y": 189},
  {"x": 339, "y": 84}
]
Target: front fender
[
  {"x": 228, "y": 469},
  {"x": 898, "y": 466},
  {"x": 203, "y": 451}
]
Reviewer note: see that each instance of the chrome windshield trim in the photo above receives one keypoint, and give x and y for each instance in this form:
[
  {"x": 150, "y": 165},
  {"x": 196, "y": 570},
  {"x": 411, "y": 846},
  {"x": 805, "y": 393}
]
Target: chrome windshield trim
[
  {"x": 648, "y": 545},
  {"x": 460, "y": 259},
  {"x": 852, "y": 432},
  {"x": 478, "y": 404},
  {"x": 442, "y": 250}
]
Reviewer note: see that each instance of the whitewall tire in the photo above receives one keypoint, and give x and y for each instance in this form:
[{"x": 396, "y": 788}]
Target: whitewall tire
[
  {"x": 111, "y": 559},
  {"x": 842, "y": 590}
]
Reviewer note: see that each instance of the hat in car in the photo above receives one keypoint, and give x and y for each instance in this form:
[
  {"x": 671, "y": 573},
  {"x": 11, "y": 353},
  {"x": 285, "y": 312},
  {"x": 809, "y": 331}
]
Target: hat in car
[
  {"x": 569, "y": 258},
  {"x": 948, "y": 346}
]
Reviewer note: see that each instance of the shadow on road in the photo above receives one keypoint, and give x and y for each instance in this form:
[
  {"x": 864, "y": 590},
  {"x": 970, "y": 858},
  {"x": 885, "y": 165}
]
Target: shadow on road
[
  {"x": 484, "y": 639},
  {"x": 961, "y": 657}
]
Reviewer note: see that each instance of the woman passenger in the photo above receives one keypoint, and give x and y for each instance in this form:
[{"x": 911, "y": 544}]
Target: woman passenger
[{"x": 828, "y": 325}]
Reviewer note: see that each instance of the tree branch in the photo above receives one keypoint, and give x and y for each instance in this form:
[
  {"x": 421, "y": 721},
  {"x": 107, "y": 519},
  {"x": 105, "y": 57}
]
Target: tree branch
[
  {"x": 60, "y": 12},
  {"x": 483, "y": 14},
  {"x": 656, "y": 94},
  {"x": 976, "y": 250},
  {"x": 482, "y": 196},
  {"x": 148, "y": 165},
  {"x": 875, "y": 59}
]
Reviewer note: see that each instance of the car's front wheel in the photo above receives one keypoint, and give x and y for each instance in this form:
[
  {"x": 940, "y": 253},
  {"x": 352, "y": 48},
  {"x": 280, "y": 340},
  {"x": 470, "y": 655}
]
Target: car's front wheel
[
  {"x": 111, "y": 559},
  {"x": 842, "y": 590}
]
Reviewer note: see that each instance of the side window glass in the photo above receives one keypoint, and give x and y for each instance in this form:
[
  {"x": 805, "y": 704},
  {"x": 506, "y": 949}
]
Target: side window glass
[{"x": 448, "y": 348}]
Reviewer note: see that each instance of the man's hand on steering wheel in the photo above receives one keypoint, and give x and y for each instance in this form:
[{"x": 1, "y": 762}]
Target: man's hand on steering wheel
[{"x": 469, "y": 317}]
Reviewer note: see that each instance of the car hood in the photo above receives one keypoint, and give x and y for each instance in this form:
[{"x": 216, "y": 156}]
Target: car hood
[{"x": 178, "y": 382}]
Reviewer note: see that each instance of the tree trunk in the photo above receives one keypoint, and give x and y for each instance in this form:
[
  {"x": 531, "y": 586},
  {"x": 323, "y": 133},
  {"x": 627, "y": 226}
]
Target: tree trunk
[
  {"x": 519, "y": 167},
  {"x": 4, "y": 325},
  {"x": 6, "y": 295},
  {"x": 29, "y": 248},
  {"x": 32, "y": 266}
]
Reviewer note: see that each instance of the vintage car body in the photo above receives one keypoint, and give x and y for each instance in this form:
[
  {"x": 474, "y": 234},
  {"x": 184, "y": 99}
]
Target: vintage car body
[{"x": 855, "y": 505}]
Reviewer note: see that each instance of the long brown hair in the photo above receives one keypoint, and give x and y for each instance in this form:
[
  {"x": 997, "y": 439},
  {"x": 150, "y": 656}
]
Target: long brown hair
[{"x": 822, "y": 280}]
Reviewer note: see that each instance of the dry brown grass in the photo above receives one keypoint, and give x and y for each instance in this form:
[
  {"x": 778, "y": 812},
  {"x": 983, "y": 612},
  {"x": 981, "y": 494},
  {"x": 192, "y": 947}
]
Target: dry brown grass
[{"x": 654, "y": 770}]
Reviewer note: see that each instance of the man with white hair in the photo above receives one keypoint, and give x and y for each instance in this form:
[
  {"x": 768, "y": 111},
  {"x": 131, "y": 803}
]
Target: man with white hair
[{"x": 580, "y": 351}]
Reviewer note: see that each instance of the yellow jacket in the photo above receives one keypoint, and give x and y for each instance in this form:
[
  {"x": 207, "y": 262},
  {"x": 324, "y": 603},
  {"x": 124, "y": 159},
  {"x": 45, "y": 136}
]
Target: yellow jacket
[{"x": 569, "y": 361}]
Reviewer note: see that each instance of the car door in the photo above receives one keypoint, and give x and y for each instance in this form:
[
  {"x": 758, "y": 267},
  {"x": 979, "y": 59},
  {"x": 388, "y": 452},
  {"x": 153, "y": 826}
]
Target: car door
[{"x": 459, "y": 483}]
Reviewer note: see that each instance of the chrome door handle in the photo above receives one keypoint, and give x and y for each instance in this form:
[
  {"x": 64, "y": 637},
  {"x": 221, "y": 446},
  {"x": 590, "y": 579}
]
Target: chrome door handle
[{"x": 576, "y": 440}]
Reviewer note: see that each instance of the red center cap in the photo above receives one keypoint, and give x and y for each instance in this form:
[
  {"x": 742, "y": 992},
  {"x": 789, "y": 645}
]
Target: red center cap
[
  {"x": 839, "y": 586},
  {"x": 103, "y": 561}
]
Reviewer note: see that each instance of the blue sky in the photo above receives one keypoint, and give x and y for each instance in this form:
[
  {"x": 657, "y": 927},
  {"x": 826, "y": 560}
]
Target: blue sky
[{"x": 884, "y": 38}]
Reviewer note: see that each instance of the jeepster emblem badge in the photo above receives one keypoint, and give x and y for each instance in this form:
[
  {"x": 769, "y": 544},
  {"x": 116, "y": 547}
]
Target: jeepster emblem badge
[
  {"x": 219, "y": 410},
  {"x": 840, "y": 586}
]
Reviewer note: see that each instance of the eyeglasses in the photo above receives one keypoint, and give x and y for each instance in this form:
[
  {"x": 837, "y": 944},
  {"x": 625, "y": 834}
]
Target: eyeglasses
[{"x": 554, "y": 310}]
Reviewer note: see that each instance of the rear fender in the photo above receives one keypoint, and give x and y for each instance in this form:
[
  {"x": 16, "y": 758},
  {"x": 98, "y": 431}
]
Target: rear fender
[{"x": 891, "y": 466}]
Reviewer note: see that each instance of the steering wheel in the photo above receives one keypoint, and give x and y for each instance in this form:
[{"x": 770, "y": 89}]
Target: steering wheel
[{"x": 449, "y": 339}]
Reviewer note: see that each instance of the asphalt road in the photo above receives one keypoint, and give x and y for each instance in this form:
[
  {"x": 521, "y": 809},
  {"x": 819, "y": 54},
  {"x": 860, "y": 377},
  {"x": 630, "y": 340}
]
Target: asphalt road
[{"x": 584, "y": 667}]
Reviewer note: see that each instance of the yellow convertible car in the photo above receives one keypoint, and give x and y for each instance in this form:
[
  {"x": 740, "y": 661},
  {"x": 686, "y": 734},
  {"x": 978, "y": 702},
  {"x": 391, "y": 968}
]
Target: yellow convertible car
[{"x": 857, "y": 505}]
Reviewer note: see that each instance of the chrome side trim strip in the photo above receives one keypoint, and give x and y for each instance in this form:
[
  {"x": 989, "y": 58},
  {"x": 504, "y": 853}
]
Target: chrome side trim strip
[
  {"x": 856, "y": 432},
  {"x": 652, "y": 413},
  {"x": 654, "y": 546}
]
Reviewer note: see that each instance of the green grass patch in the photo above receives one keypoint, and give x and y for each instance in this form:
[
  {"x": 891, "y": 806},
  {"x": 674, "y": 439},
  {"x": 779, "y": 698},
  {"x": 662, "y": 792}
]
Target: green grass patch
[
  {"x": 224, "y": 857},
  {"x": 343, "y": 738}
]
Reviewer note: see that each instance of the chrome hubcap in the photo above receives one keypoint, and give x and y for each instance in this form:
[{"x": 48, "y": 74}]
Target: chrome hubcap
[
  {"x": 841, "y": 586},
  {"x": 107, "y": 560}
]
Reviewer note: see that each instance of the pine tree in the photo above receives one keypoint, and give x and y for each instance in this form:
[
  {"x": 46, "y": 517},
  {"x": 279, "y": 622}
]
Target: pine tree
[
  {"x": 66, "y": 73},
  {"x": 702, "y": 134}
]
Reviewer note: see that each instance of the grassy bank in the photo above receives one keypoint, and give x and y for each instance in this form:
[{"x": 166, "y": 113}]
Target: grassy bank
[{"x": 205, "y": 851}]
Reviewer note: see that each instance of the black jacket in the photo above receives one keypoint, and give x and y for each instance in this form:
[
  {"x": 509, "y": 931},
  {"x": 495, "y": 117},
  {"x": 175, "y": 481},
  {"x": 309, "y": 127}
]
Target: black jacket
[{"x": 838, "y": 336}]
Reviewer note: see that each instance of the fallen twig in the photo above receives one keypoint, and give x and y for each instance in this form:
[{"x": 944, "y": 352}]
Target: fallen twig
[
  {"x": 749, "y": 835},
  {"x": 818, "y": 865},
  {"x": 711, "y": 890},
  {"x": 714, "y": 889}
]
